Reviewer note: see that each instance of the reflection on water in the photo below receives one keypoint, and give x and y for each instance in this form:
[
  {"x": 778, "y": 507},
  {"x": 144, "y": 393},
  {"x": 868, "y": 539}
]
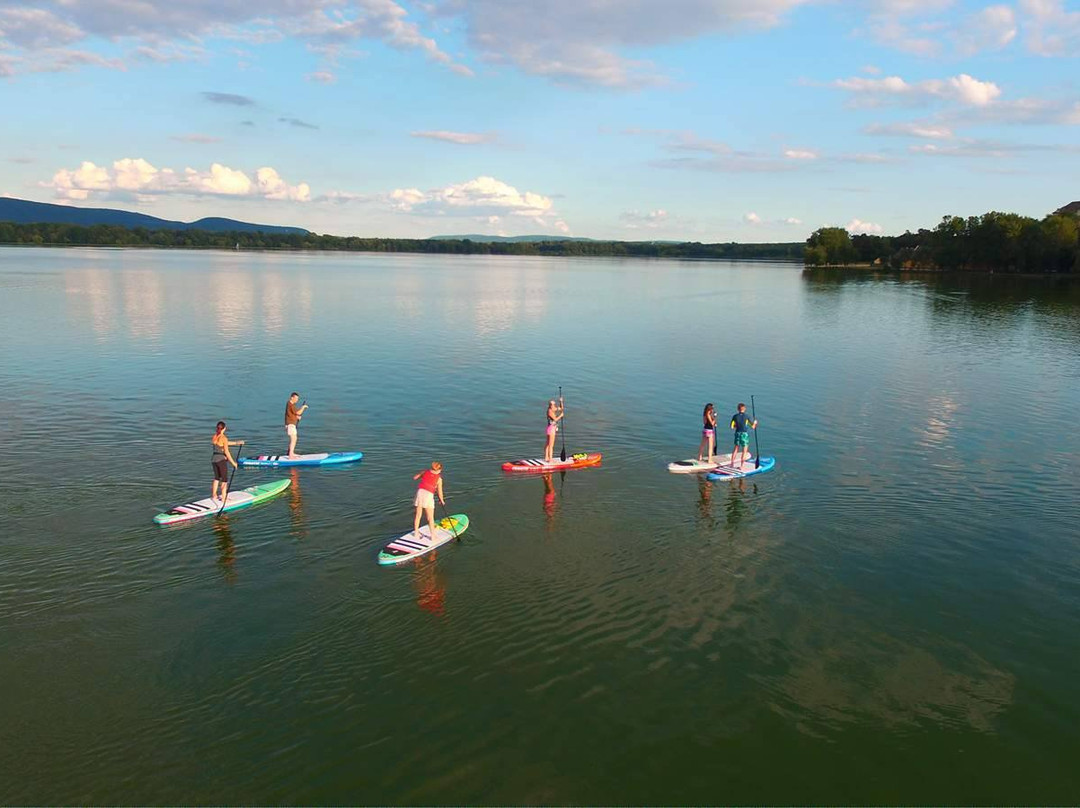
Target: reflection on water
[
  {"x": 226, "y": 547},
  {"x": 430, "y": 585},
  {"x": 902, "y": 594},
  {"x": 551, "y": 505},
  {"x": 296, "y": 505}
]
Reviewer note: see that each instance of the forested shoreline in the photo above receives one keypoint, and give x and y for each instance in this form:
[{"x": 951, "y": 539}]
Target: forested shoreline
[
  {"x": 64, "y": 235},
  {"x": 993, "y": 242}
]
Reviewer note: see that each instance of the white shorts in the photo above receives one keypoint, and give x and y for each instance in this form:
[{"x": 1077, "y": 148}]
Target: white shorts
[
  {"x": 290, "y": 429},
  {"x": 424, "y": 498}
]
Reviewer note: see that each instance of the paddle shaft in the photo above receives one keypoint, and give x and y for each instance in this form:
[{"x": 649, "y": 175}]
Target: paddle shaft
[
  {"x": 757, "y": 444},
  {"x": 232, "y": 475},
  {"x": 562, "y": 426},
  {"x": 449, "y": 522}
]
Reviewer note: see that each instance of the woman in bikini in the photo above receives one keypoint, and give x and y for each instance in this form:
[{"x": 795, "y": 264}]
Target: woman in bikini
[
  {"x": 708, "y": 432},
  {"x": 554, "y": 415}
]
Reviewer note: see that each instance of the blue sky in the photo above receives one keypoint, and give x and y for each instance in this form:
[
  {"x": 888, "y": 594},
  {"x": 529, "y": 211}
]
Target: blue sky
[{"x": 710, "y": 120}]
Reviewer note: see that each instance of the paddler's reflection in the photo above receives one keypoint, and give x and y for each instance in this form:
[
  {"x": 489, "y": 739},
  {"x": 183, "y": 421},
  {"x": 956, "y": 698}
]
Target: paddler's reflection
[
  {"x": 226, "y": 549},
  {"x": 550, "y": 503},
  {"x": 296, "y": 505},
  {"x": 735, "y": 504},
  {"x": 430, "y": 589},
  {"x": 705, "y": 492}
]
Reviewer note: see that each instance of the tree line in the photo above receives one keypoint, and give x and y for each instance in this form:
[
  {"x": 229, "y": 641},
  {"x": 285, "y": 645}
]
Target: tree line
[
  {"x": 997, "y": 242},
  {"x": 117, "y": 236}
]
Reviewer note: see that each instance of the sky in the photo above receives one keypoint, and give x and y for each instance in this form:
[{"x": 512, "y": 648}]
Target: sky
[{"x": 703, "y": 120}]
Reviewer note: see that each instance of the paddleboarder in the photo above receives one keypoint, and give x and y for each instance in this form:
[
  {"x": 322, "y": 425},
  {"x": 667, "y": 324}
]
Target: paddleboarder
[
  {"x": 293, "y": 414},
  {"x": 742, "y": 424},
  {"x": 554, "y": 415},
  {"x": 221, "y": 460},
  {"x": 708, "y": 432},
  {"x": 431, "y": 483}
]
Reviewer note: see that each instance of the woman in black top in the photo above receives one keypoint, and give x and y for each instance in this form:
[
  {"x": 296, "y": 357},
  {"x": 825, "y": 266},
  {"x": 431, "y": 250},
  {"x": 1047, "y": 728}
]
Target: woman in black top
[{"x": 708, "y": 431}]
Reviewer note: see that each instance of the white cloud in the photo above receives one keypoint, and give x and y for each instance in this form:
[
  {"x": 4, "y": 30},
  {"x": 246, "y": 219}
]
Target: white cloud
[
  {"x": 635, "y": 220},
  {"x": 322, "y": 77},
  {"x": 138, "y": 177},
  {"x": 586, "y": 41},
  {"x": 992, "y": 28},
  {"x": 857, "y": 226},
  {"x": 791, "y": 220},
  {"x": 460, "y": 138},
  {"x": 1050, "y": 29},
  {"x": 195, "y": 137},
  {"x": 752, "y": 218},
  {"x": 481, "y": 196},
  {"x": 800, "y": 154},
  {"x": 962, "y": 89},
  {"x": 35, "y": 28},
  {"x": 921, "y": 129},
  {"x": 155, "y": 24}
]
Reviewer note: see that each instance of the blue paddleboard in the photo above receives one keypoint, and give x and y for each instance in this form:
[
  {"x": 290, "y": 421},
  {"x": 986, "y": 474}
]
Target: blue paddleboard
[
  {"x": 320, "y": 459},
  {"x": 748, "y": 470}
]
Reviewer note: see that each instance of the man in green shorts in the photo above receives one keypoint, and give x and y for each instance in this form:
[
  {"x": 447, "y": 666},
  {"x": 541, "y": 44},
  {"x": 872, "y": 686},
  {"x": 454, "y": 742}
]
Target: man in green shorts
[{"x": 742, "y": 425}]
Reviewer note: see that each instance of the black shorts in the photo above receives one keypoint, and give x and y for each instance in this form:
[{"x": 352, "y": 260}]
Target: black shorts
[{"x": 221, "y": 470}]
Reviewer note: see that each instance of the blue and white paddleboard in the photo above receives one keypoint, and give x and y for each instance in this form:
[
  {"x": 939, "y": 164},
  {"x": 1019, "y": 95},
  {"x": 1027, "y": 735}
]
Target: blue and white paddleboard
[
  {"x": 320, "y": 459},
  {"x": 749, "y": 469}
]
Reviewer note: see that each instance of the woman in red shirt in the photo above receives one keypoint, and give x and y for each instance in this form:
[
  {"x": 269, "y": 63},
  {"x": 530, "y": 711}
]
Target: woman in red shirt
[{"x": 430, "y": 484}]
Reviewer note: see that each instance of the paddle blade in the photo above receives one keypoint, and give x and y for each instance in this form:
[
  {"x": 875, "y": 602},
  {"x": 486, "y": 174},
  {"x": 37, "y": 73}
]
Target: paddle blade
[{"x": 562, "y": 454}]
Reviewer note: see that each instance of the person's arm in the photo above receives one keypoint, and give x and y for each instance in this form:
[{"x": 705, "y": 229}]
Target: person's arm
[
  {"x": 301, "y": 410},
  {"x": 228, "y": 455},
  {"x": 442, "y": 499},
  {"x": 235, "y": 443},
  {"x": 732, "y": 423},
  {"x": 417, "y": 475}
]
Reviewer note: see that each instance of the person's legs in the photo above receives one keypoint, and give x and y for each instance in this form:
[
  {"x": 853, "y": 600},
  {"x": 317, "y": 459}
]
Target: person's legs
[
  {"x": 712, "y": 445},
  {"x": 213, "y": 491},
  {"x": 224, "y": 492},
  {"x": 292, "y": 443},
  {"x": 431, "y": 520},
  {"x": 416, "y": 523},
  {"x": 701, "y": 446}
]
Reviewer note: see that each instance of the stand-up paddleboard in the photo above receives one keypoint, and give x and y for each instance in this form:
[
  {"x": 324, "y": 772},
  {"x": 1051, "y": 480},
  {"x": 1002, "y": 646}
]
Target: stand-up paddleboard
[
  {"x": 320, "y": 459},
  {"x": 209, "y": 507},
  {"x": 409, "y": 546},
  {"x": 748, "y": 470},
  {"x": 578, "y": 461},
  {"x": 694, "y": 466}
]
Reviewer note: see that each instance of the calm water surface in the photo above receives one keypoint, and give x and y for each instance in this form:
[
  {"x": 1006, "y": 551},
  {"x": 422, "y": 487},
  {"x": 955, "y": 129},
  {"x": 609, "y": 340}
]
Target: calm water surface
[{"x": 891, "y": 616}]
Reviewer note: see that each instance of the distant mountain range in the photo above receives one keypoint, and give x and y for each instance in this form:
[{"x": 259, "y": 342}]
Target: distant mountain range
[
  {"x": 23, "y": 211},
  {"x": 482, "y": 239}
]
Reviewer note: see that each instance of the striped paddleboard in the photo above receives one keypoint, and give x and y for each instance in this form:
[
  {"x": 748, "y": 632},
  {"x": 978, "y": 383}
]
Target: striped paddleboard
[
  {"x": 209, "y": 507},
  {"x": 410, "y": 546},
  {"x": 319, "y": 459},
  {"x": 694, "y": 466},
  {"x": 748, "y": 470},
  {"x": 578, "y": 461}
]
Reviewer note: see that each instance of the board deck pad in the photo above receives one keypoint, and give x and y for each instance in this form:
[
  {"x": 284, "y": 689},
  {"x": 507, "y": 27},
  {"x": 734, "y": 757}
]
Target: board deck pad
[
  {"x": 748, "y": 470},
  {"x": 209, "y": 507},
  {"x": 578, "y": 461},
  {"x": 694, "y": 466},
  {"x": 410, "y": 546},
  {"x": 317, "y": 459}
]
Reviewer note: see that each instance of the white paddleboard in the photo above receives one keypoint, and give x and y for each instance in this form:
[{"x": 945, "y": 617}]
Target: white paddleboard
[
  {"x": 410, "y": 545},
  {"x": 694, "y": 466}
]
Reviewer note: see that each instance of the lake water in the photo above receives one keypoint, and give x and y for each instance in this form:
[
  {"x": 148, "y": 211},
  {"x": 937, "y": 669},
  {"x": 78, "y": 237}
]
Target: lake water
[{"x": 892, "y": 615}]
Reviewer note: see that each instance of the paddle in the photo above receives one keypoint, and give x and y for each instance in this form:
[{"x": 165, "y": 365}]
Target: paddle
[
  {"x": 449, "y": 521},
  {"x": 225, "y": 498},
  {"x": 757, "y": 445},
  {"x": 562, "y": 429}
]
